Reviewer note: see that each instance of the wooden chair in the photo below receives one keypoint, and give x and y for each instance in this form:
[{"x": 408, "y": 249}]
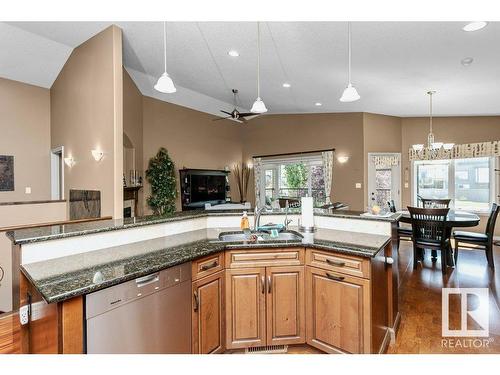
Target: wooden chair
[
  {"x": 430, "y": 232},
  {"x": 482, "y": 241},
  {"x": 403, "y": 233},
  {"x": 435, "y": 203}
]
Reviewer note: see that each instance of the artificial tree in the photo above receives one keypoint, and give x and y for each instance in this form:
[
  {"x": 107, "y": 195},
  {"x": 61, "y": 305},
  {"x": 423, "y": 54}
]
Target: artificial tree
[{"x": 161, "y": 176}]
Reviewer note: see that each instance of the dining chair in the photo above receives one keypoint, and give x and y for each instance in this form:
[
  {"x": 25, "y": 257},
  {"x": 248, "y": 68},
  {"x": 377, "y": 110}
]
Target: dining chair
[
  {"x": 403, "y": 232},
  {"x": 429, "y": 232},
  {"x": 435, "y": 203},
  {"x": 483, "y": 241}
]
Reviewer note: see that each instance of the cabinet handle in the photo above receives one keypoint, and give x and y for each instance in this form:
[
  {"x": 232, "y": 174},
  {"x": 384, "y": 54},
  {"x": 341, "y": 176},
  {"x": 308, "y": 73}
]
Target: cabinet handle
[
  {"x": 206, "y": 267},
  {"x": 196, "y": 302},
  {"x": 336, "y": 278},
  {"x": 263, "y": 283},
  {"x": 269, "y": 281},
  {"x": 335, "y": 263}
]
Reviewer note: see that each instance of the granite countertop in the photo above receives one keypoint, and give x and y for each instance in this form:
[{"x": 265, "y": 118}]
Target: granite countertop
[
  {"x": 63, "y": 278},
  {"x": 53, "y": 232}
]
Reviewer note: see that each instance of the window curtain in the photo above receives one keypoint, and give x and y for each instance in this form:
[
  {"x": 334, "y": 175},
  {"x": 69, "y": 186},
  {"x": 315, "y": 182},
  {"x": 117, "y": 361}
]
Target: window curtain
[
  {"x": 469, "y": 150},
  {"x": 327, "y": 157},
  {"x": 385, "y": 161},
  {"x": 257, "y": 172}
]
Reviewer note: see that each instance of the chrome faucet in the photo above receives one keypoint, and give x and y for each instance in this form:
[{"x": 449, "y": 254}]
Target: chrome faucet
[
  {"x": 256, "y": 219},
  {"x": 286, "y": 215}
]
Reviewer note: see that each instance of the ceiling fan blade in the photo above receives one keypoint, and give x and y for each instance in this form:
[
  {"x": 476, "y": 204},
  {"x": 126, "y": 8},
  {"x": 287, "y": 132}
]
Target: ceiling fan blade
[
  {"x": 227, "y": 113},
  {"x": 221, "y": 118},
  {"x": 248, "y": 118},
  {"x": 247, "y": 114}
]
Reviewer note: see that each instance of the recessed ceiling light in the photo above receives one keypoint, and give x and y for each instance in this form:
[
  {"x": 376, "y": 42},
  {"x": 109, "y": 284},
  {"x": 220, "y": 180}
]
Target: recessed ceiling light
[
  {"x": 474, "y": 26},
  {"x": 233, "y": 53},
  {"x": 467, "y": 61},
  {"x": 318, "y": 104},
  {"x": 286, "y": 84}
]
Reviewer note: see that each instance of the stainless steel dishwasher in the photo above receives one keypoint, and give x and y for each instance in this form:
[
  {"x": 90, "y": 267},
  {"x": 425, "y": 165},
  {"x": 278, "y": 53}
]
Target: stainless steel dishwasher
[{"x": 151, "y": 314}]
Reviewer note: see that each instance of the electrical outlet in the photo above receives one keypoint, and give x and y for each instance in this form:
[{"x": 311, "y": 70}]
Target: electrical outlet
[
  {"x": 358, "y": 185},
  {"x": 24, "y": 315},
  {"x": 27, "y": 190},
  {"x": 406, "y": 185}
]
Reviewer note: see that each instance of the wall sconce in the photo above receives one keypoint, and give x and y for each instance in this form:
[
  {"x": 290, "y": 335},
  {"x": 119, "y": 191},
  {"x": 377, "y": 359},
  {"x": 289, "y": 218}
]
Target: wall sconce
[
  {"x": 97, "y": 155},
  {"x": 343, "y": 159},
  {"x": 69, "y": 161}
]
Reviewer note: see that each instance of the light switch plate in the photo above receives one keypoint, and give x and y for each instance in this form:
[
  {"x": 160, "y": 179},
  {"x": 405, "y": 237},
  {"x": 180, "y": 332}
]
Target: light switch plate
[
  {"x": 27, "y": 190},
  {"x": 358, "y": 185}
]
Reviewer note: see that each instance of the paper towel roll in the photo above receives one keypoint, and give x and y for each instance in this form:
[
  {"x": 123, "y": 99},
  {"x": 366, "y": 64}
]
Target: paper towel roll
[{"x": 307, "y": 219}]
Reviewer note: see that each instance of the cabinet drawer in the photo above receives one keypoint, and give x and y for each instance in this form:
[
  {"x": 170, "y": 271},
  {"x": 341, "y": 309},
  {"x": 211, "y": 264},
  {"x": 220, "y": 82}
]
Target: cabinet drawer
[
  {"x": 264, "y": 257},
  {"x": 207, "y": 265},
  {"x": 349, "y": 265}
]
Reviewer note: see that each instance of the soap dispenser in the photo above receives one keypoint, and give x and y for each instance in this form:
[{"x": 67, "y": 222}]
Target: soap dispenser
[{"x": 245, "y": 224}]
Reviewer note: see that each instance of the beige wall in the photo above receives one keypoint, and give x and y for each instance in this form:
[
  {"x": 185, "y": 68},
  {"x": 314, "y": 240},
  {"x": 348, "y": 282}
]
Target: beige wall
[
  {"x": 132, "y": 125},
  {"x": 380, "y": 134},
  {"x": 21, "y": 214},
  {"x": 192, "y": 139},
  {"x": 25, "y": 134},
  {"x": 277, "y": 134},
  {"x": 86, "y": 114}
]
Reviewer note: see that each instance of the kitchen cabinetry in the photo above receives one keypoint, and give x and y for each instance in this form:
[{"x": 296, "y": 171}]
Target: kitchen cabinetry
[
  {"x": 285, "y": 305},
  {"x": 208, "y": 314},
  {"x": 338, "y": 315},
  {"x": 265, "y": 304}
]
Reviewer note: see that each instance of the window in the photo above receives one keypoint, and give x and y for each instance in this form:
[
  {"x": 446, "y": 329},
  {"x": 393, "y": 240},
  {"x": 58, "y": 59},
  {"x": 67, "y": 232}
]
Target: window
[
  {"x": 467, "y": 182},
  {"x": 293, "y": 178}
]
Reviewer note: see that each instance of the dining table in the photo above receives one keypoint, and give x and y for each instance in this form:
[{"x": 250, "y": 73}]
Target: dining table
[{"x": 455, "y": 219}]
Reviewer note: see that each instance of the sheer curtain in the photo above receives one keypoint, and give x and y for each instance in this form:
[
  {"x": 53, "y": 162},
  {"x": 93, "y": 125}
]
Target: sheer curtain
[
  {"x": 327, "y": 157},
  {"x": 257, "y": 172}
]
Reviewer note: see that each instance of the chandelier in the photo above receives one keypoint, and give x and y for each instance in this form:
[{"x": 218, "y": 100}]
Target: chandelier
[{"x": 433, "y": 148}]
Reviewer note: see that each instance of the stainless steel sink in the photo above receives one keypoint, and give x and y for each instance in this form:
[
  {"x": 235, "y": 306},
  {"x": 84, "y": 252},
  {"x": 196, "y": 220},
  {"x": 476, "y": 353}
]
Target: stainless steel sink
[{"x": 259, "y": 236}]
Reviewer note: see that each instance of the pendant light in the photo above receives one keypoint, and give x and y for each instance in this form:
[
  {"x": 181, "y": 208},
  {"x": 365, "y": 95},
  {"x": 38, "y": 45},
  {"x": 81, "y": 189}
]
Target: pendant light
[
  {"x": 165, "y": 83},
  {"x": 350, "y": 93},
  {"x": 258, "y": 106}
]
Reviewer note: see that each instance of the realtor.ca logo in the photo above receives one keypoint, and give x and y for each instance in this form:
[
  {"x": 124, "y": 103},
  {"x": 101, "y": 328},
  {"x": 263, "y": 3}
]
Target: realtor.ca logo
[{"x": 467, "y": 324}]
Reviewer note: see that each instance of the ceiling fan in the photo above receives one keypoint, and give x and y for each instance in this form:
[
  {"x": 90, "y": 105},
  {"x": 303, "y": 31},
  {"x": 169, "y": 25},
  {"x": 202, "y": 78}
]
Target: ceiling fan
[{"x": 236, "y": 115}]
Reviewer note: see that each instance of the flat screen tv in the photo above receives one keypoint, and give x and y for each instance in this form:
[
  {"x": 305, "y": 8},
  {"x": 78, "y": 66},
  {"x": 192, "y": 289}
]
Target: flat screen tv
[{"x": 199, "y": 187}]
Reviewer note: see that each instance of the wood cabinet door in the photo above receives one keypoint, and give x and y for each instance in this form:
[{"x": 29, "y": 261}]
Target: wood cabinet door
[
  {"x": 208, "y": 314},
  {"x": 285, "y": 305},
  {"x": 245, "y": 307},
  {"x": 338, "y": 316}
]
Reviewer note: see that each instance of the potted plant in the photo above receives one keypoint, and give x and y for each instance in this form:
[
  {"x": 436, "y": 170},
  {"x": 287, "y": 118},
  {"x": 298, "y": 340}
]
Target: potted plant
[{"x": 161, "y": 176}]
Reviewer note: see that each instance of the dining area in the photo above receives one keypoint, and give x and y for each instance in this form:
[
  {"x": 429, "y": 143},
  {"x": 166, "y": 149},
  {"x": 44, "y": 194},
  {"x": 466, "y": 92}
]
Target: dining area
[{"x": 435, "y": 227}]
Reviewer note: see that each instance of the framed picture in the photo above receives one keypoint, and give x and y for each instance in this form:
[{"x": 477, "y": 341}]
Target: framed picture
[{"x": 6, "y": 173}]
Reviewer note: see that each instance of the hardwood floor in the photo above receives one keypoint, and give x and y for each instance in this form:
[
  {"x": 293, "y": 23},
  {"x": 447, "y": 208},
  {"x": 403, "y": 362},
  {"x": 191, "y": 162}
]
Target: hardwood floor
[
  {"x": 420, "y": 302},
  {"x": 9, "y": 334}
]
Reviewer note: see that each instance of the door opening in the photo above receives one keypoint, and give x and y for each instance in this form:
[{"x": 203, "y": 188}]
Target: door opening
[
  {"x": 384, "y": 179},
  {"x": 57, "y": 173}
]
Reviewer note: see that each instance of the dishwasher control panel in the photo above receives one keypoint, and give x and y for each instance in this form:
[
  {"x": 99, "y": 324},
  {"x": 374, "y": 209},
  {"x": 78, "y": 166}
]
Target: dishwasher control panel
[{"x": 107, "y": 299}]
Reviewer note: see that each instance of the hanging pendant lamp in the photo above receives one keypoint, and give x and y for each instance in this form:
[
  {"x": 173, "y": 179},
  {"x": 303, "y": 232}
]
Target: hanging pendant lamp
[
  {"x": 350, "y": 93},
  {"x": 258, "y": 106},
  {"x": 165, "y": 83}
]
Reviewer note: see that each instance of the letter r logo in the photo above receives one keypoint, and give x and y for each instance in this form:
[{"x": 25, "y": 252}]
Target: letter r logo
[{"x": 479, "y": 313}]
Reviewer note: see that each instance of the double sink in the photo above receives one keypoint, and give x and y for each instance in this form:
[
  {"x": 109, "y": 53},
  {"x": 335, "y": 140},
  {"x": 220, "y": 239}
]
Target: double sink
[{"x": 253, "y": 237}]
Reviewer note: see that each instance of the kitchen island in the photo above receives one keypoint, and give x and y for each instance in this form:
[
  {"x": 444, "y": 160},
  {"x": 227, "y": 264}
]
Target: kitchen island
[{"x": 233, "y": 296}]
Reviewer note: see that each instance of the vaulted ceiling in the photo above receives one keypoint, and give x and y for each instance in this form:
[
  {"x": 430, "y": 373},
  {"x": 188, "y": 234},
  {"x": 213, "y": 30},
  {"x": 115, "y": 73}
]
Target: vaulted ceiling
[{"x": 393, "y": 63}]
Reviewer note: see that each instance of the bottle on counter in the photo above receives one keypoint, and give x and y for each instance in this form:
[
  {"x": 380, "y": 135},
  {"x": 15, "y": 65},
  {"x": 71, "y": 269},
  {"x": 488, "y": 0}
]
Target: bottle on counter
[{"x": 244, "y": 224}]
